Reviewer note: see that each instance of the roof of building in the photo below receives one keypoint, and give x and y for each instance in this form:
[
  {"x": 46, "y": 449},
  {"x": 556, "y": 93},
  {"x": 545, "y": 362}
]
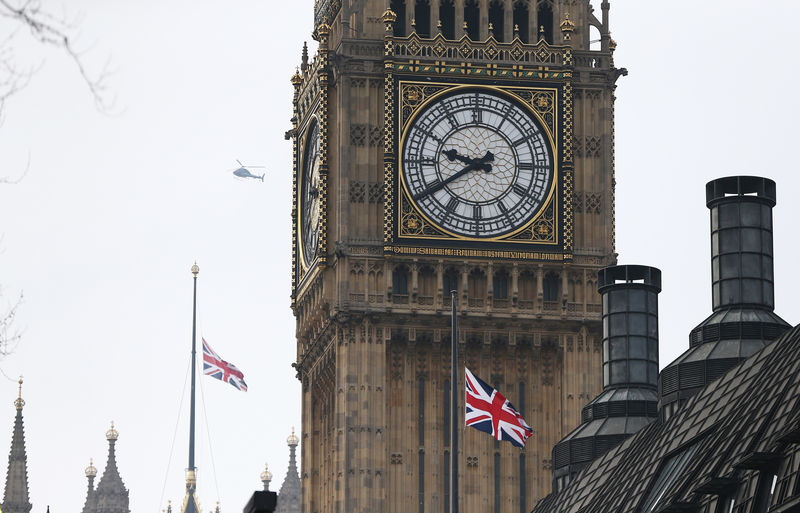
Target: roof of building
[{"x": 716, "y": 445}]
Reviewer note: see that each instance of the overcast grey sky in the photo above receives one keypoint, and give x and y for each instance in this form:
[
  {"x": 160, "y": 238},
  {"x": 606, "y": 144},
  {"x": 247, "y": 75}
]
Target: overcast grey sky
[{"x": 101, "y": 233}]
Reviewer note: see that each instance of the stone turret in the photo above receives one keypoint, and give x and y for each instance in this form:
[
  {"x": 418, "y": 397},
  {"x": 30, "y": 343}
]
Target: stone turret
[
  {"x": 16, "y": 498},
  {"x": 266, "y": 477},
  {"x": 111, "y": 496},
  {"x": 289, "y": 496},
  {"x": 91, "y": 502}
]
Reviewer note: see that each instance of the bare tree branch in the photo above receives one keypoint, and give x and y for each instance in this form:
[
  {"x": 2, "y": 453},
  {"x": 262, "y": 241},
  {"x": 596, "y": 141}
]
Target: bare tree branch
[
  {"x": 48, "y": 30},
  {"x": 9, "y": 337}
]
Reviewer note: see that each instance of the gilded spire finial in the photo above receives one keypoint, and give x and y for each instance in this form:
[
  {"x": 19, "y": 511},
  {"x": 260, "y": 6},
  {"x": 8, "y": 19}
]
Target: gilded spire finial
[
  {"x": 195, "y": 269},
  {"x": 388, "y": 18},
  {"x": 19, "y": 402},
  {"x": 296, "y": 78},
  {"x": 292, "y": 440},
  {"x": 266, "y": 477},
  {"x": 91, "y": 470},
  {"x": 567, "y": 27},
  {"x": 112, "y": 434}
]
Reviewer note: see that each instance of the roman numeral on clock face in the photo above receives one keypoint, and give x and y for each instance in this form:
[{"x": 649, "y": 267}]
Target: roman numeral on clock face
[
  {"x": 520, "y": 141},
  {"x": 451, "y": 205},
  {"x": 476, "y": 212},
  {"x": 528, "y": 166},
  {"x": 520, "y": 189}
]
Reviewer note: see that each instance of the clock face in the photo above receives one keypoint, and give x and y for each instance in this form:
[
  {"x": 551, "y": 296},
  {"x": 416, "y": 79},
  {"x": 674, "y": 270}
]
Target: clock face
[
  {"x": 309, "y": 200},
  {"x": 477, "y": 164}
]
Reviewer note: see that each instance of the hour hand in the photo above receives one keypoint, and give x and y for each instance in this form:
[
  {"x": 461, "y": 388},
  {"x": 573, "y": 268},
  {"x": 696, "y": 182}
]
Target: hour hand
[{"x": 453, "y": 155}]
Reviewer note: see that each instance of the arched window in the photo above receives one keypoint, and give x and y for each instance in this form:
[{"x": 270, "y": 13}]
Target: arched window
[
  {"x": 594, "y": 38},
  {"x": 550, "y": 287},
  {"x": 521, "y": 20},
  {"x": 422, "y": 18},
  {"x": 500, "y": 285},
  {"x": 449, "y": 281},
  {"x": 497, "y": 19},
  {"x": 447, "y": 15},
  {"x": 472, "y": 16},
  {"x": 545, "y": 17},
  {"x": 399, "y": 8},
  {"x": 400, "y": 280}
]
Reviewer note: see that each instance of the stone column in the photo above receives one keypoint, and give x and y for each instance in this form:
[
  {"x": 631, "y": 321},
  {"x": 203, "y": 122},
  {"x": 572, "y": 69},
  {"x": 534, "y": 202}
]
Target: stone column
[
  {"x": 435, "y": 17},
  {"x": 459, "y": 19},
  {"x": 515, "y": 284},
  {"x": 483, "y": 19},
  {"x": 508, "y": 20},
  {"x": 414, "y": 281}
]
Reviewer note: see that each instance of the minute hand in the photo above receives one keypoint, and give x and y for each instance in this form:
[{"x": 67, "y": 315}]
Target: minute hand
[{"x": 481, "y": 163}]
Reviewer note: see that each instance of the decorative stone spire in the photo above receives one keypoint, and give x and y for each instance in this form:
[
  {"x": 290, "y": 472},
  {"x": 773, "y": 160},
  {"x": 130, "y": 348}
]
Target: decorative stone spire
[
  {"x": 304, "y": 61},
  {"x": 266, "y": 477},
  {"x": 16, "y": 499},
  {"x": 111, "y": 496},
  {"x": 289, "y": 496},
  {"x": 91, "y": 473}
]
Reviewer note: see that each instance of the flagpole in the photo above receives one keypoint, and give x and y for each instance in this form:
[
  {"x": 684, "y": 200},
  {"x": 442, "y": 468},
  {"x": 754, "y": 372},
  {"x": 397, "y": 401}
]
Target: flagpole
[
  {"x": 191, "y": 469},
  {"x": 454, "y": 405}
]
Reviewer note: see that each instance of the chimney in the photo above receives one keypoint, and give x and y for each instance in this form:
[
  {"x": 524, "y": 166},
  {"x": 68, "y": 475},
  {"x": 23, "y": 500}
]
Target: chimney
[
  {"x": 742, "y": 284},
  {"x": 629, "y": 400}
]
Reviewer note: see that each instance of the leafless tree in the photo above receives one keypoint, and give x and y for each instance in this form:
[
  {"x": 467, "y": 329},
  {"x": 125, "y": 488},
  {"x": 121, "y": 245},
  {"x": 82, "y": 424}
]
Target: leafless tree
[
  {"x": 51, "y": 31},
  {"x": 48, "y": 30}
]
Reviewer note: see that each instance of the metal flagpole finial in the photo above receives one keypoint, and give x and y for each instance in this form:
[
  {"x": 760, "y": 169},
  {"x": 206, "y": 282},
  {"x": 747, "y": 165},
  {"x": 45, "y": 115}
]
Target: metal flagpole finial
[{"x": 195, "y": 269}]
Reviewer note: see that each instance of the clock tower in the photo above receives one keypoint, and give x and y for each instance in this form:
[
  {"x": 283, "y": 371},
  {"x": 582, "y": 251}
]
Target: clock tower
[{"x": 447, "y": 145}]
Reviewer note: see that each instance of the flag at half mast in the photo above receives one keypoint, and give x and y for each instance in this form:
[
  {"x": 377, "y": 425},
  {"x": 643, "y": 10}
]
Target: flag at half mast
[
  {"x": 488, "y": 411},
  {"x": 216, "y": 367}
]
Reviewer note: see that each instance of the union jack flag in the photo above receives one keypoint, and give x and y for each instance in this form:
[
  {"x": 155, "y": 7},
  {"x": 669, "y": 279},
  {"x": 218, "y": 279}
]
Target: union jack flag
[
  {"x": 216, "y": 367},
  {"x": 490, "y": 412}
]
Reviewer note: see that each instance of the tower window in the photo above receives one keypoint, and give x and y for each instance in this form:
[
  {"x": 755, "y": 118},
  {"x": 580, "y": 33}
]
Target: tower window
[
  {"x": 472, "y": 15},
  {"x": 500, "y": 285},
  {"x": 550, "y": 287},
  {"x": 521, "y": 20},
  {"x": 400, "y": 280},
  {"x": 447, "y": 15},
  {"x": 545, "y": 17},
  {"x": 496, "y": 19},
  {"x": 399, "y": 8},
  {"x": 422, "y": 18}
]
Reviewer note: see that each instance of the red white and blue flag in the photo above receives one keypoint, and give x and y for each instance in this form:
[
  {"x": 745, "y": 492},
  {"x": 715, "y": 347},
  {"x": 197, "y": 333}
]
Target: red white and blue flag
[
  {"x": 216, "y": 367},
  {"x": 490, "y": 412}
]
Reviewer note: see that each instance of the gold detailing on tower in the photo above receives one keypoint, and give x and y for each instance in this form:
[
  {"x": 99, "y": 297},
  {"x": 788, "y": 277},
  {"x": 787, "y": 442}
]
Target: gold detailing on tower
[
  {"x": 567, "y": 27},
  {"x": 612, "y": 45},
  {"x": 191, "y": 477},
  {"x": 292, "y": 440},
  {"x": 195, "y": 269},
  {"x": 19, "y": 402},
  {"x": 388, "y": 18},
  {"x": 113, "y": 434},
  {"x": 296, "y": 78},
  {"x": 91, "y": 470}
]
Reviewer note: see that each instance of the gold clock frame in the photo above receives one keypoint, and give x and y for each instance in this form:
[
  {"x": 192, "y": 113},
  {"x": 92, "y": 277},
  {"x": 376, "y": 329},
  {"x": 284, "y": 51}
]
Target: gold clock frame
[{"x": 539, "y": 102}]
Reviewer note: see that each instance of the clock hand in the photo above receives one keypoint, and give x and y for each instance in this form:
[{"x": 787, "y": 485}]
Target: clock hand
[
  {"x": 455, "y": 176},
  {"x": 452, "y": 155}
]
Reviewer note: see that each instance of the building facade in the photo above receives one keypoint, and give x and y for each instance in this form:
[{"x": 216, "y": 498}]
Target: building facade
[{"x": 447, "y": 145}]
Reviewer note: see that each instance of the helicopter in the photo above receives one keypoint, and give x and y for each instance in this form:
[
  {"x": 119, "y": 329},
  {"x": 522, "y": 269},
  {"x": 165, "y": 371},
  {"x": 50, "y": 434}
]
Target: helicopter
[{"x": 243, "y": 172}]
